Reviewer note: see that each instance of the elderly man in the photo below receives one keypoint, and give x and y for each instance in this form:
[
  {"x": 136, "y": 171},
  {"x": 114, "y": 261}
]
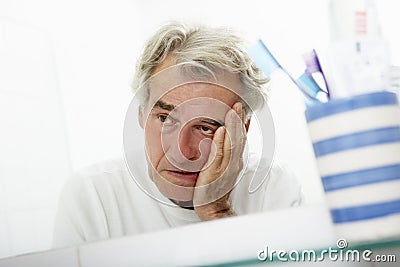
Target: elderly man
[{"x": 197, "y": 89}]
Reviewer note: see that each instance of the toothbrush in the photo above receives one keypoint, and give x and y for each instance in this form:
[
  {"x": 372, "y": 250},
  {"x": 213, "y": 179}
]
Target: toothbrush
[
  {"x": 264, "y": 59},
  {"x": 313, "y": 66}
]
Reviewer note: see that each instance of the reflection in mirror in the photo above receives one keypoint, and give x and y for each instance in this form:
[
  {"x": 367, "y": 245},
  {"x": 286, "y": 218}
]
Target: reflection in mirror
[
  {"x": 64, "y": 94},
  {"x": 62, "y": 107},
  {"x": 63, "y": 99}
]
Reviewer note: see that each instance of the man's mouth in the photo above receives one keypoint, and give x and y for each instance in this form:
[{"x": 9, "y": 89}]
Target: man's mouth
[{"x": 190, "y": 176}]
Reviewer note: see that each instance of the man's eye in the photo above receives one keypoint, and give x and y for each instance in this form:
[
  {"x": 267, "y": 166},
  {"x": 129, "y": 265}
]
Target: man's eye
[
  {"x": 164, "y": 118},
  {"x": 207, "y": 130}
]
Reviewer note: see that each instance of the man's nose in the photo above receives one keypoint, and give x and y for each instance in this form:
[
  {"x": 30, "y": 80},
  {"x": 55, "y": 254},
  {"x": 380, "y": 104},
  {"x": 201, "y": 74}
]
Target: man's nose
[
  {"x": 186, "y": 150},
  {"x": 188, "y": 144}
]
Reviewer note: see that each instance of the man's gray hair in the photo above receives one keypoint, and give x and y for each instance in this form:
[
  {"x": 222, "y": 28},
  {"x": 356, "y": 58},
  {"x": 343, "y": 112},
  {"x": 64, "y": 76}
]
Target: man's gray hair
[{"x": 203, "y": 45}]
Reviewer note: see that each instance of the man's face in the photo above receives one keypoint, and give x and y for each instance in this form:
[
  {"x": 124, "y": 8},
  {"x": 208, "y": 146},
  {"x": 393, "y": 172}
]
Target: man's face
[{"x": 179, "y": 129}]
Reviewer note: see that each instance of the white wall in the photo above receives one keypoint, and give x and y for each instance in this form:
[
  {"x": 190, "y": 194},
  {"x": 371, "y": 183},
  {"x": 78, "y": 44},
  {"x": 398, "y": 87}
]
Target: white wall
[
  {"x": 34, "y": 159},
  {"x": 67, "y": 86},
  {"x": 65, "y": 71}
]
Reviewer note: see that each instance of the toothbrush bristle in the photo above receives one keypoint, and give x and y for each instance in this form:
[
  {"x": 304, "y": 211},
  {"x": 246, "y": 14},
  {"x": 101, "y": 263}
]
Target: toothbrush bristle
[{"x": 312, "y": 62}]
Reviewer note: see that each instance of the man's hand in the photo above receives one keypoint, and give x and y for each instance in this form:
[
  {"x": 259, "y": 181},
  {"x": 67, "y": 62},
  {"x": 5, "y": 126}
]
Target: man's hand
[{"x": 216, "y": 181}]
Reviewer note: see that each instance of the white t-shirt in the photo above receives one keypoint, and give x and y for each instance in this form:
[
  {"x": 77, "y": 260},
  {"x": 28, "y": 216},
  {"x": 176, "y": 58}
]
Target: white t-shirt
[{"x": 104, "y": 201}]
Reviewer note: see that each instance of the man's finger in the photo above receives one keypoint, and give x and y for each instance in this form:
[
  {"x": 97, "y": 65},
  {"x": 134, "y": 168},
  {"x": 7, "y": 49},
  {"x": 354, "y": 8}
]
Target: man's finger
[
  {"x": 238, "y": 107},
  {"x": 236, "y": 130},
  {"x": 241, "y": 131},
  {"x": 230, "y": 135},
  {"x": 218, "y": 146}
]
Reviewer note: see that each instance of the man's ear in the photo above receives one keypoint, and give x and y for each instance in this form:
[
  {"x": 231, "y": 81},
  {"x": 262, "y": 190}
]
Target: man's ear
[
  {"x": 140, "y": 118},
  {"x": 247, "y": 125}
]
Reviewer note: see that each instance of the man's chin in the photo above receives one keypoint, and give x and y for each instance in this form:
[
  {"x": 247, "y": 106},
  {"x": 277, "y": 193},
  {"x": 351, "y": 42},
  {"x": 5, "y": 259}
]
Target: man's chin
[{"x": 178, "y": 193}]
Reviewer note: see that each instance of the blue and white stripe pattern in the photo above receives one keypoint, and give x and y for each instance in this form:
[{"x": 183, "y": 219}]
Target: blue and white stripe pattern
[{"x": 357, "y": 147}]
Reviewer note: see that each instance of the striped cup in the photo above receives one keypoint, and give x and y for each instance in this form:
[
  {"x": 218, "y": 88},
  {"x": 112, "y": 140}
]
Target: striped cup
[{"x": 356, "y": 143}]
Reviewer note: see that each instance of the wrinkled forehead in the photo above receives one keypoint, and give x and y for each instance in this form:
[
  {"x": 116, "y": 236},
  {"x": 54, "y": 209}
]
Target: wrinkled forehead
[
  {"x": 186, "y": 81},
  {"x": 199, "y": 90}
]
